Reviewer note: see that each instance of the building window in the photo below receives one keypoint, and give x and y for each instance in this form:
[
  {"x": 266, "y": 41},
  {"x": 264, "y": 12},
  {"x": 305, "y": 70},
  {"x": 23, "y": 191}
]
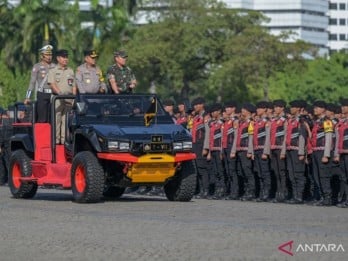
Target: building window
[
  {"x": 333, "y": 37},
  {"x": 342, "y": 21},
  {"x": 333, "y": 21},
  {"x": 333, "y": 6},
  {"x": 342, "y": 6},
  {"x": 342, "y": 37}
]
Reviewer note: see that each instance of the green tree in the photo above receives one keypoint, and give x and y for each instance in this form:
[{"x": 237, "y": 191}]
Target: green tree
[
  {"x": 200, "y": 47},
  {"x": 322, "y": 78}
]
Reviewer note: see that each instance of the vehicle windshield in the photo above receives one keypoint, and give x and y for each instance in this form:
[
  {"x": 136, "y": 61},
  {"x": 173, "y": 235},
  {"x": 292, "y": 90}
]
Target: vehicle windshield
[{"x": 123, "y": 108}]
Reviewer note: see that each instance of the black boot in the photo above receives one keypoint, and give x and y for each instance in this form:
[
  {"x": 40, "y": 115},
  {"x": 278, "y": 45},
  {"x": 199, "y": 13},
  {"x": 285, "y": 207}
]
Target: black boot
[{"x": 343, "y": 204}]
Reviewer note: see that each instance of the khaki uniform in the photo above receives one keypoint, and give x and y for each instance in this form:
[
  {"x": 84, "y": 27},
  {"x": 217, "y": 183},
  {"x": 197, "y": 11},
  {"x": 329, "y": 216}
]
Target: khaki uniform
[
  {"x": 89, "y": 79},
  {"x": 65, "y": 80}
]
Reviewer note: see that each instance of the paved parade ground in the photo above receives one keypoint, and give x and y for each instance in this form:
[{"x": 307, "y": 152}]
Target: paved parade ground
[{"x": 52, "y": 227}]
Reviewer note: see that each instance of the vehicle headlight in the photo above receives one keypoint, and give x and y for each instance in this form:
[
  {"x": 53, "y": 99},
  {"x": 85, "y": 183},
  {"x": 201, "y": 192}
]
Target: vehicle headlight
[
  {"x": 182, "y": 146},
  {"x": 118, "y": 145},
  {"x": 177, "y": 145},
  {"x": 187, "y": 145}
]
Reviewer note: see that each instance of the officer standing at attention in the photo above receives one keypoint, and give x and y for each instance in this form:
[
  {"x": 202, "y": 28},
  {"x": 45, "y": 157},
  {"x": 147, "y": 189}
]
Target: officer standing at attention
[
  {"x": 121, "y": 78},
  {"x": 243, "y": 151},
  {"x": 39, "y": 80},
  {"x": 62, "y": 81},
  {"x": 297, "y": 132},
  {"x": 89, "y": 77},
  {"x": 341, "y": 151},
  {"x": 215, "y": 150},
  {"x": 200, "y": 140},
  {"x": 262, "y": 150},
  {"x": 321, "y": 140}
]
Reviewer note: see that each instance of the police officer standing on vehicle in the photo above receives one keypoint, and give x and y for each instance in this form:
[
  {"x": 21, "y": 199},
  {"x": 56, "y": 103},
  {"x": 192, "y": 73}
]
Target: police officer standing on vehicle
[
  {"x": 38, "y": 80},
  {"x": 89, "y": 77},
  {"x": 121, "y": 77},
  {"x": 62, "y": 81}
]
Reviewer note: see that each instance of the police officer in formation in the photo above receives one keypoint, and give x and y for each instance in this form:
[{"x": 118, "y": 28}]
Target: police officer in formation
[{"x": 263, "y": 153}]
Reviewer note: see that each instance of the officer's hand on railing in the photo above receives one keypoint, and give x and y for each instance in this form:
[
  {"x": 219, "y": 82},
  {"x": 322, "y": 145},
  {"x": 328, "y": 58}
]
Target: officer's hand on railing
[{"x": 26, "y": 101}]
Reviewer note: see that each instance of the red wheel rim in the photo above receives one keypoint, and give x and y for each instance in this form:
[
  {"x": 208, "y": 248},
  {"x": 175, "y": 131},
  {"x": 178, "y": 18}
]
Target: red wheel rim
[
  {"x": 80, "y": 179},
  {"x": 16, "y": 175}
]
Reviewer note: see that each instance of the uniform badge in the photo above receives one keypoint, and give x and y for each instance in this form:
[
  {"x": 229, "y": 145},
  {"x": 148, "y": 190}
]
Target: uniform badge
[
  {"x": 88, "y": 81},
  {"x": 328, "y": 126}
]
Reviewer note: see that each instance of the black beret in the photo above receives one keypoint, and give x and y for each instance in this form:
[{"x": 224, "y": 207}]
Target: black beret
[
  {"x": 279, "y": 103},
  {"x": 62, "y": 52},
  {"x": 230, "y": 104},
  {"x": 168, "y": 102},
  {"x": 91, "y": 53},
  {"x": 296, "y": 104},
  {"x": 198, "y": 100},
  {"x": 262, "y": 104},
  {"x": 334, "y": 108},
  {"x": 344, "y": 102},
  {"x": 120, "y": 53},
  {"x": 249, "y": 107},
  {"x": 215, "y": 107},
  {"x": 330, "y": 107},
  {"x": 320, "y": 104}
]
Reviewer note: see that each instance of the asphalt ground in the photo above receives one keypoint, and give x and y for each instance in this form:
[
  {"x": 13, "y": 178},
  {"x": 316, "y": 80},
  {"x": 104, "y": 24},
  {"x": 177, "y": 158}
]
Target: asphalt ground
[{"x": 52, "y": 227}]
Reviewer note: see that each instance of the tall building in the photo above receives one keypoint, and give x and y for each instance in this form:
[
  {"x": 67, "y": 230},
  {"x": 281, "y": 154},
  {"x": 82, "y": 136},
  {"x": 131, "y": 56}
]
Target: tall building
[
  {"x": 306, "y": 19},
  {"x": 338, "y": 25}
]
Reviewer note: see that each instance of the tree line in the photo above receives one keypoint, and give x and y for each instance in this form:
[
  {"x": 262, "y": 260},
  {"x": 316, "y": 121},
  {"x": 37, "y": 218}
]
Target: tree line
[{"x": 187, "y": 48}]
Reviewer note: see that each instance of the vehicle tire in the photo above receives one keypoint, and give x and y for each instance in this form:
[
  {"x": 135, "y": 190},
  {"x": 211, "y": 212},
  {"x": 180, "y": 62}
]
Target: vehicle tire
[
  {"x": 87, "y": 178},
  {"x": 113, "y": 192},
  {"x": 183, "y": 185},
  {"x": 20, "y": 166}
]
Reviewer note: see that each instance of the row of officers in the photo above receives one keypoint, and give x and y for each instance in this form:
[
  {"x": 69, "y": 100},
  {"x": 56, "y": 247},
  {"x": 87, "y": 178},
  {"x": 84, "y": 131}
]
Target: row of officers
[
  {"x": 271, "y": 153},
  {"x": 48, "y": 78}
]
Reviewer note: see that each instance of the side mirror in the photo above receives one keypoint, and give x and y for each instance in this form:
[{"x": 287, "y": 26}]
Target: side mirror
[{"x": 81, "y": 108}]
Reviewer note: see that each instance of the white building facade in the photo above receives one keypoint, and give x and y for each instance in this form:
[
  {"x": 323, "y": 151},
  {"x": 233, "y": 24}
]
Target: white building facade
[
  {"x": 305, "y": 19},
  {"x": 338, "y": 25}
]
